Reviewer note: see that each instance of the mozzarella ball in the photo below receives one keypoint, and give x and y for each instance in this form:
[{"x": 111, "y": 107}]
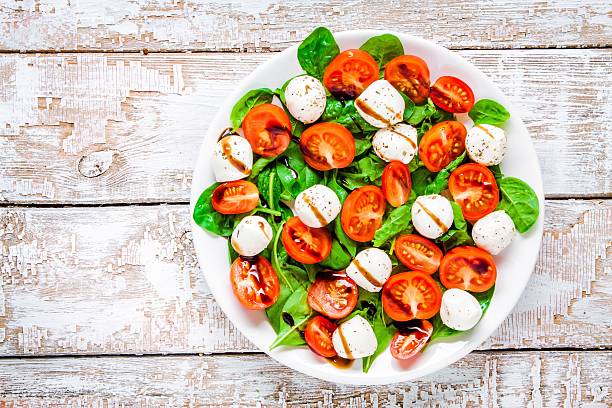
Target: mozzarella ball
[
  {"x": 397, "y": 142},
  {"x": 232, "y": 158},
  {"x": 251, "y": 236},
  {"x": 305, "y": 98},
  {"x": 486, "y": 144},
  {"x": 493, "y": 232},
  {"x": 354, "y": 339},
  {"x": 370, "y": 269},
  {"x": 460, "y": 310},
  {"x": 381, "y": 105},
  {"x": 317, "y": 206},
  {"x": 432, "y": 215}
]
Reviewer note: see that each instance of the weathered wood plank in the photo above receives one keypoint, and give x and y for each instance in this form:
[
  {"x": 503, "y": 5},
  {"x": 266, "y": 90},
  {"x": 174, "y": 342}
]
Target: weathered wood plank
[
  {"x": 264, "y": 25},
  {"x": 95, "y": 128},
  {"x": 519, "y": 379},
  {"x": 126, "y": 280}
]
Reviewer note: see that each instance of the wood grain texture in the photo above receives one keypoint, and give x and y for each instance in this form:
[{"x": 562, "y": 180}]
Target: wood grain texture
[
  {"x": 126, "y": 280},
  {"x": 94, "y": 128},
  {"x": 263, "y": 25},
  {"x": 519, "y": 379}
]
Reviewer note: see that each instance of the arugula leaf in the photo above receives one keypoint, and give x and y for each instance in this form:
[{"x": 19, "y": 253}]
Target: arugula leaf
[
  {"x": 367, "y": 170},
  {"x": 252, "y": 98},
  {"x": 338, "y": 258},
  {"x": 488, "y": 111},
  {"x": 427, "y": 115},
  {"x": 317, "y": 51},
  {"x": 270, "y": 187},
  {"x": 458, "y": 235},
  {"x": 208, "y": 218},
  {"x": 383, "y": 48},
  {"x": 441, "y": 181},
  {"x": 361, "y": 146},
  {"x": 421, "y": 178},
  {"x": 397, "y": 221},
  {"x": 520, "y": 202}
]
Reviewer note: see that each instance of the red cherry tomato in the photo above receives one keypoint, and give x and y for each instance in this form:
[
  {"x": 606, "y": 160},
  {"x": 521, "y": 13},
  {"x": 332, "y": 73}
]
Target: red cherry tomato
[
  {"x": 452, "y": 94},
  {"x": 411, "y": 295},
  {"x": 410, "y": 75},
  {"x": 327, "y": 146},
  {"x": 396, "y": 183},
  {"x": 268, "y": 129},
  {"x": 254, "y": 282},
  {"x": 350, "y": 73},
  {"x": 362, "y": 213},
  {"x": 442, "y": 144},
  {"x": 333, "y": 294},
  {"x": 474, "y": 188},
  {"x": 305, "y": 244},
  {"x": 410, "y": 339},
  {"x": 235, "y": 197},
  {"x": 318, "y": 335},
  {"x": 468, "y": 268},
  {"x": 418, "y": 253}
]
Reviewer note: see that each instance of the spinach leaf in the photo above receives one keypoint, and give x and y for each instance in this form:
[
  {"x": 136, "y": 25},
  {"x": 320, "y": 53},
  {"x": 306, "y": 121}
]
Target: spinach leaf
[
  {"x": 384, "y": 334},
  {"x": 458, "y": 235},
  {"x": 424, "y": 116},
  {"x": 338, "y": 258},
  {"x": 332, "y": 183},
  {"x": 397, "y": 221},
  {"x": 421, "y": 178},
  {"x": 270, "y": 187},
  {"x": 231, "y": 252},
  {"x": 294, "y": 316},
  {"x": 367, "y": 170},
  {"x": 410, "y": 107},
  {"x": 488, "y": 111},
  {"x": 208, "y": 218},
  {"x": 347, "y": 243},
  {"x": 440, "y": 182},
  {"x": 361, "y": 146},
  {"x": 317, "y": 51},
  {"x": 252, "y": 98},
  {"x": 345, "y": 114},
  {"x": 458, "y": 218},
  {"x": 496, "y": 170},
  {"x": 520, "y": 202},
  {"x": 259, "y": 165},
  {"x": 440, "y": 330},
  {"x": 294, "y": 174},
  {"x": 383, "y": 48}
]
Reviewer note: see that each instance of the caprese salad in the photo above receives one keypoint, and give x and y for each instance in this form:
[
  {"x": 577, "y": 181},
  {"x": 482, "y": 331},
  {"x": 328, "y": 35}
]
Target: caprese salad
[{"x": 362, "y": 213}]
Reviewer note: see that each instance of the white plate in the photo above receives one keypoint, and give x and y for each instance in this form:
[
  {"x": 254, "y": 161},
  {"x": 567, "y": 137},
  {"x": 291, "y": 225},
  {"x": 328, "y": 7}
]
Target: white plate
[{"x": 514, "y": 266}]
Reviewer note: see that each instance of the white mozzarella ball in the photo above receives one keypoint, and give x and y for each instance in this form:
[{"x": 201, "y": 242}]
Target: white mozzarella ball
[
  {"x": 432, "y": 215},
  {"x": 397, "y": 142},
  {"x": 317, "y": 206},
  {"x": 381, "y": 105},
  {"x": 354, "y": 339},
  {"x": 305, "y": 98},
  {"x": 370, "y": 269},
  {"x": 232, "y": 158},
  {"x": 493, "y": 232},
  {"x": 460, "y": 310},
  {"x": 251, "y": 236},
  {"x": 486, "y": 144}
]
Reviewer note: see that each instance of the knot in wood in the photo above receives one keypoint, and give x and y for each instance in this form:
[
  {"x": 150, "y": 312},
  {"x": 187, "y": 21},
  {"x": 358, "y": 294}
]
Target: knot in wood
[{"x": 96, "y": 163}]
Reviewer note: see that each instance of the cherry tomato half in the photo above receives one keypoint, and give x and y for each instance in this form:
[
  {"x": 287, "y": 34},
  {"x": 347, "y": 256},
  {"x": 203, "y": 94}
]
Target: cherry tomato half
[
  {"x": 362, "y": 213},
  {"x": 254, "y": 282},
  {"x": 305, "y": 244},
  {"x": 452, "y": 94},
  {"x": 442, "y": 144},
  {"x": 333, "y": 294},
  {"x": 396, "y": 183},
  {"x": 410, "y": 75},
  {"x": 468, "y": 268},
  {"x": 410, "y": 339},
  {"x": 411, "y": 295},
  {"x": 268, "y": 129},
  {"x": 418, "y": 253},
  {"x": 473, "y": 187},
  {"x": 350, "y": 73},
  {"x": 318, "y": 335},
  {"x": 235, "y": 197},
  {"x": 327, "y": 146}
]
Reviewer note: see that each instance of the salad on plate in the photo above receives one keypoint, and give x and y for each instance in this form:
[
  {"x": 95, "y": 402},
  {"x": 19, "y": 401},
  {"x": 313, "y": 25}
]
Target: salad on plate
[{"x": 364, "y": 203}]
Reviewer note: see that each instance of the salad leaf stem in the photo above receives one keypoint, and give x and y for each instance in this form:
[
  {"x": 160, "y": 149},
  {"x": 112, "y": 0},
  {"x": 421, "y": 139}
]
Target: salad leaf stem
[{"x": 268, "y": 211}]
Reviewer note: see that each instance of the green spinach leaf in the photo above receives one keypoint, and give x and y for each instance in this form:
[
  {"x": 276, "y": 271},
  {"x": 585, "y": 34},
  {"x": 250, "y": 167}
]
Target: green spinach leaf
[
  {"x": 361, "y": 146},
  {"x": 440, "y": 182},
  {"x": 270, "y": 187},
  {"x": 347, "y": 243},
  {"x": 383, "y": 48},
  {"x": 208, "y": 218},
  {"x": 259, "y": 165},
  {"x": 488, "y": 111},
  {"x": 410, "y": 107},
  {"x": 252, "y": 98},
  {"x": 317, "y": 51},
  {"x": 520, "y": 202},
  {"x": 497, "y": 173},
  {"x": 294, "y": 174},
  {"x": 294, "y": 316},
  {"x": 338, "y": 259},
  {"x": 397, "y": 221}
]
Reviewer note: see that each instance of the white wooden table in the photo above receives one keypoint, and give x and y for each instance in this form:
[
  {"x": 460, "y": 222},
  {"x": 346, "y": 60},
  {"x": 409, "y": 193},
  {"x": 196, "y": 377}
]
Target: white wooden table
[{"x": 102, "y": 109}]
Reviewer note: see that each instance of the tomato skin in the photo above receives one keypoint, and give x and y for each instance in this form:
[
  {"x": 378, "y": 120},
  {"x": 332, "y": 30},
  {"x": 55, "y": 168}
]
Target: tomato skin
[
  {"x": 327, "y": 146},
  {"x": 268, "y": 129},
  {"x": 333, "y": 294},
  {"x": 410, "y": 75},
  {"x": 410, "y": 339},
  {"x": 254, "y": 282},
  {"x": 407, "y": 291},
  {"x": 396, "y": 183},
  {"x": 474, "y": 188},
  {"x": 235, "y": 197},
  {"x": 305, "y": 244},
  {"x": 452, "y": 94},
  {"x": 362, "y": 213},
  {"x": 418, "y": 253},
  {"x": 318, "y": 335},
  {"x": 350, "y": 73},
  {"x": 442, "y": 144},
  {"x": 468, "y": 268}
]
